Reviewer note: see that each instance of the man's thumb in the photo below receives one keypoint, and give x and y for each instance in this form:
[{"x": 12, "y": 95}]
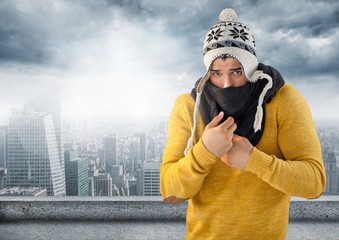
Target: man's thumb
[{"x": 216, "y": 120}]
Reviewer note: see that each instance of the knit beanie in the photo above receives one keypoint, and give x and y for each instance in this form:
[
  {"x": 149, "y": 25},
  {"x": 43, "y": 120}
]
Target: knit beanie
[{"x": 232, "y": 39}]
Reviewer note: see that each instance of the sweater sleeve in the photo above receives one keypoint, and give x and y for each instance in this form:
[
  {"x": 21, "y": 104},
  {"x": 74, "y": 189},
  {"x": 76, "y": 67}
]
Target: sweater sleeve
[
  {"x": 301, "y": 173},
  {"x": 181, "y": 177}
]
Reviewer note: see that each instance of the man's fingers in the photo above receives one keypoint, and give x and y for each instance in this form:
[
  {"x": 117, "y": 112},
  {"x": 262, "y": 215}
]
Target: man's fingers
[
  {"x": 237, "y": 138},
  {"x": 232, "y": 128},
  {"x": 228, "y": 123},
  {"x": 215, "y": 121}
]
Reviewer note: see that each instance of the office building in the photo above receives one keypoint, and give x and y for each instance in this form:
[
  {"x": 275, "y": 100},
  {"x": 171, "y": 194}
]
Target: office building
[
  {"x": 143, "y": 146},
  {"x": 76, "y": 171},
  {"x": 50, "y": 103},
  {"x": 116, "y": 171},
  {"x": 2, "y": 178},
  {"x": 92, "y": 172},
  {"x": 151, "y": 178},
  {"x": 33, "y": 156},
  {"x": 102, "y": 185},
  {"x": 140, "y": 182},
  {"x": 332, "y": 174},
  {"x": 3, "y": 146},
  {"x": 111, "y": 151},
  {"x": 134, "y": 154}
]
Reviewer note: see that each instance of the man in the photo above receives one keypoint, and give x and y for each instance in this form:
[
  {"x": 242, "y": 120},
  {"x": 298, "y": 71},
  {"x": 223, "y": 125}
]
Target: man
[{"x": 240, "y": 144}]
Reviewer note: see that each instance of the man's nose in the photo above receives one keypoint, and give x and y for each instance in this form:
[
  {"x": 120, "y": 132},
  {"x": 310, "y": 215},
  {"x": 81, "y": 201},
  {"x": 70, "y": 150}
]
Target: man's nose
[{"x": 227, "y": 81}]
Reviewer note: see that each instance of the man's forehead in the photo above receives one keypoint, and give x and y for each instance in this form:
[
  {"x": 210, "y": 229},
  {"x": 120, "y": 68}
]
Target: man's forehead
[{"x": 225, "y": 63}]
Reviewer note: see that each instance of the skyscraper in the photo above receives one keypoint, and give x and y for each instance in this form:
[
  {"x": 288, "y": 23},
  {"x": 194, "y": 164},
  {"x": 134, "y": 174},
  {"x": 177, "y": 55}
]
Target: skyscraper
[
  {"x": 33, "y": 156},
  {"x": 140, "y": 182},
  {"x": 3, "y": 146},
  {"x": 332, "y": 173},
  {"x": 116, "y": 171},
  {"x": 2, "y": 178},
  {"x": 134, "y": 154},
  {"x": 143, "y": 144},
  {"x": 111, "y": 151},
  {"x": 50, "y": 103},
  {"x": 76, "y": 170},
  {"x": 103, "y": 185},
  {"x": 92, "y": 172},
  {"x": 151, "y": 178}
]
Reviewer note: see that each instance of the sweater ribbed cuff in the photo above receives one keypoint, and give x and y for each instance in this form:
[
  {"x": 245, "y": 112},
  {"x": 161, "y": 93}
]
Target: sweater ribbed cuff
[
  {"x": 259, "y": 162},
  {"x": 202, "y": 155}
]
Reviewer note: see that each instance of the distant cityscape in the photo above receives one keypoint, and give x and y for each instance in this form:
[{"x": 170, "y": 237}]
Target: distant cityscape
[{"x": 41, "y": 154}]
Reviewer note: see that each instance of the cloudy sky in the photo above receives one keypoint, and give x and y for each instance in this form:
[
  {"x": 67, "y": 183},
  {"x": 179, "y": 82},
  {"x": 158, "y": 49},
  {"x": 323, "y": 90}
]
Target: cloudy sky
[{"x": 134, "y": 57}]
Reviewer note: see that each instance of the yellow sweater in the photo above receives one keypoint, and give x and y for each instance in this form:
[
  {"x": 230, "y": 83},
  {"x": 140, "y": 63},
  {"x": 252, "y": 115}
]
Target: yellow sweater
[{"x": 227, "y": 203}]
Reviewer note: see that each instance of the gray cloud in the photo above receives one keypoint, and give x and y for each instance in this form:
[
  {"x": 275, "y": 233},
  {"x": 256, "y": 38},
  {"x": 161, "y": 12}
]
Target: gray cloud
[
  {"x": 159, "y": 40},
  {"x": 299, "y": 38},
  {"x": 35, "y": 32},
  {"x": 17, "y": 40}
]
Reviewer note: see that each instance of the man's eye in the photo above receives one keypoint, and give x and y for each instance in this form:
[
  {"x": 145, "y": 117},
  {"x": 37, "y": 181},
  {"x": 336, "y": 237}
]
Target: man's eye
[
  {"x": 237, "y": 72},
  {"x": 216, "y": 73}
]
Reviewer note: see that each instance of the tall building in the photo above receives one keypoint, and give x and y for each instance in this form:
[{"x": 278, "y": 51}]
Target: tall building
[
  {"x": 332, "y": 174},
  {"x": 116, "y": 171},
  {"x": 92, "y": 172},
  {"x": 50, "y": 103},
  {"x": 134, "y": 154},
  {"x": 76, "y": 170},
  {"x": 132, "y": 182},
  {"x": 140, "y": 182},
  {"x": 3, "y": 146},
  {"x": 103, "y": 185},
  {"x": 111, "y": 151},
  {"x": 91, "y": 186},
  {"x": 143, "y": 147},
  {"x": 33, "y": 155},
  {"x": 2, "y": 178},
  {"x": 151, "y": 150},
  {"x": 119, "y": 180},
  {"x": 151, "y": 178}
]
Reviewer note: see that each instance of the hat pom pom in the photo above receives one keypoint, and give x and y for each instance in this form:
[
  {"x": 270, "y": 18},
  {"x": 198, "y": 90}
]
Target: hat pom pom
[{"x": 228, "y": 14}]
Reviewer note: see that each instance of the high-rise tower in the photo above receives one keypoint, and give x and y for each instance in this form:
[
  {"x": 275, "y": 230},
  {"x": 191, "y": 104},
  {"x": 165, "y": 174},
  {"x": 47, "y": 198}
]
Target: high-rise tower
[
  {"x": 151, "y": 178},
  {"x": 76, "y": 172},
  {"x": 33, "y": 154},
  {"x": 111, "y": 151},
  {"x": 3, "y": 146},
  {"x": 50, "y": 103}
]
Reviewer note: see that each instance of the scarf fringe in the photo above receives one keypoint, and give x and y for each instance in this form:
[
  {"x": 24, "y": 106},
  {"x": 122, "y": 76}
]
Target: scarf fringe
[
  {"x": 200, "y": 87},
  {"x": 190, "y": 142},
  {"x": 260, "y": 112}
]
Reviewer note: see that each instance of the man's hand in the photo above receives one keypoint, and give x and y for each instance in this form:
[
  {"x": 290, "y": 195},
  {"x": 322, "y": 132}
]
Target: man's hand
[
  {"x": 239, "y": 155},
  {"x": 218, "y": 138}
]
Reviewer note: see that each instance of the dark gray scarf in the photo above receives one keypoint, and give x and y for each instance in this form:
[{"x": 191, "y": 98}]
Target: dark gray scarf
[{"x": 239, "y": 102}]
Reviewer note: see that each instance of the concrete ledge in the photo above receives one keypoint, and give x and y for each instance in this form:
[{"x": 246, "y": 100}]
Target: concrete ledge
[
  {"x": 137, "y": 209},
  {"x": 89, "y": 209},
  {"x": 325, "y": 208}
]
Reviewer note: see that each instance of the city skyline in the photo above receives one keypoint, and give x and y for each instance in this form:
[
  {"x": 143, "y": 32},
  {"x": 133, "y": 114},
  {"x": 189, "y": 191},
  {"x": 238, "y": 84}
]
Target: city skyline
[
  {"x": 125, "y": 169},
  {"x": 132, "y": 58}
]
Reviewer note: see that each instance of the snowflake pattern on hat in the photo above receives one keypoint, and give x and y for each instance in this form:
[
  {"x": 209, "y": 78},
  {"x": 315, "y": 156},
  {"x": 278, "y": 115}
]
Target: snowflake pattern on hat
[
  {"x": 214, "y": 35},
  {"x": 236, "y": 33},
  {"x": 229, "y": 35}
]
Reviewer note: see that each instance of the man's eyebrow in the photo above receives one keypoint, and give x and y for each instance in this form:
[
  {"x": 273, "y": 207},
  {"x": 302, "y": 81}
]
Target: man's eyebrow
[
  {"x": 233, "y": 69},
  {"x": 236, "y": 69}
]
